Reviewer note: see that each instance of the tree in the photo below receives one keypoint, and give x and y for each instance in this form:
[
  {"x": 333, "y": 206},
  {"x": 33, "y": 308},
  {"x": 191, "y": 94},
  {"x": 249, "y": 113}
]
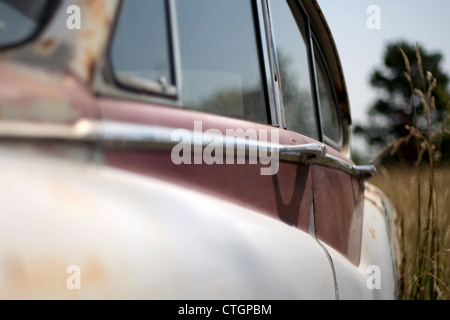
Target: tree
[{"x": 393, "y": 111}]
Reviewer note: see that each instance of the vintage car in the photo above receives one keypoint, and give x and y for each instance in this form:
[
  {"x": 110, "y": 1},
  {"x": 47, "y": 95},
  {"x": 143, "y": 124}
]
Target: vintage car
[{"x": 182, "y": 149}]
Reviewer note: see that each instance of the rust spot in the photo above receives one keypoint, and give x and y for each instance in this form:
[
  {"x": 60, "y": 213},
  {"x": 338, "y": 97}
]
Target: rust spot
[
  {"x": 94, "y": 272},
  {"x": 373, "y": 233},
  {"x": 88, "y": 34},
  {"x": 90, "y": 65},
  {"x": 13, "y": 267},
  {"x": 97, "y": 6},
  {"x": 93, "y": 34},
  {"x": 46, "y": 47}
]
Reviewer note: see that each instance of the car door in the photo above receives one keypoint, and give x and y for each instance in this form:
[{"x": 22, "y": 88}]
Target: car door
[
  {"x": 198, "y": 75},
  {"x": 310, "y": 79}
]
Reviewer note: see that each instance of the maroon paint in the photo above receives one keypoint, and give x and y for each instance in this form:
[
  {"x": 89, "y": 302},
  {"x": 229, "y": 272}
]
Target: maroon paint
[
  {"x": 338, "y": 211},
  {"x": 285, "y": 196}
]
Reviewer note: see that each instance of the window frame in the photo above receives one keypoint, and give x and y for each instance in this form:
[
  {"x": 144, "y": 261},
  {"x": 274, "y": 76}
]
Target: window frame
[
  {"x": 139, "y": 85},
  {"x": 105, "y": 83},
  {"x": 304, "y": 18},
  {"x": 311, "y": 43}
]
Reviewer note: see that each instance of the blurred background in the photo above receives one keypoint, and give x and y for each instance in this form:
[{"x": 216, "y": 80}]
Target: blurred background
[
  {"x": 396, "y": 61},
  {"x": 362, "y": 49}
]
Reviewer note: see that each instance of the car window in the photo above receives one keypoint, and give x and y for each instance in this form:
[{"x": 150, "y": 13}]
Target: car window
[
  {"x": 21, "y": 19},
  {"x": 140, "y": 54},
  {"x": 328, "y": 106},
  {"x": 293, "y": 64},
  {"x": 221, "y": 71}
]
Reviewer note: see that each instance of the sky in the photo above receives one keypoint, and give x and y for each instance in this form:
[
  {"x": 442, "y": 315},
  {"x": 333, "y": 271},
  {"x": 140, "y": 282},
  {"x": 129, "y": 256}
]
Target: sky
[{"x": 361, "y": 49}]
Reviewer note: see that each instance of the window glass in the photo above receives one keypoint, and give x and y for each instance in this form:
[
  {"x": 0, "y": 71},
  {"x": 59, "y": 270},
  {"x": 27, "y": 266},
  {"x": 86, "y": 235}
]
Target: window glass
[
  {"x": 141, "y": 48},
  {"x": 221, "y": 68},
  {"x": 20, "y": 19},
  {"x": 294, "y": 69},
  {"x": 328, "y": 106}
]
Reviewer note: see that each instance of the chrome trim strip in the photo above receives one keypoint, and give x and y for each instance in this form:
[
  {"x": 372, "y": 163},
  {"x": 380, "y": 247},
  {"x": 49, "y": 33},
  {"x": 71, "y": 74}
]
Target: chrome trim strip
[
  {"x": 273, "y": 65},
  {"x": 119, "y": 135},
  {"x": 267, "y": 61},
  {"x": 160, "y": 86},
  {"x": 306, "y": 153},
  {"x": 359, "y": 172},
  {"x": 365, "y": 171},
  {"x": 314, "y": 81},
  {"x": 81, "y": 131},
  {"x": 175, "y": 47}
]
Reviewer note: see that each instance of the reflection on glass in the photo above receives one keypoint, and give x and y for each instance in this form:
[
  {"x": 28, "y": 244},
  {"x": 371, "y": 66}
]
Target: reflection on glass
[
  {"x": 328, "y": 107},
  {"x": 141, "y": 47},
  {"x": 294, "y": 70},
  {"x": 221, "y": 69}
]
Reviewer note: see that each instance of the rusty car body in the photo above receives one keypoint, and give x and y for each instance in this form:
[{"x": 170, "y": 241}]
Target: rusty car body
[{"x": 87, "y": 176}]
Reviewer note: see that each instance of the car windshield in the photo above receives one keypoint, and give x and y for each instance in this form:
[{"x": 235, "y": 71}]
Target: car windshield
[{"x": 21, "y": 19}]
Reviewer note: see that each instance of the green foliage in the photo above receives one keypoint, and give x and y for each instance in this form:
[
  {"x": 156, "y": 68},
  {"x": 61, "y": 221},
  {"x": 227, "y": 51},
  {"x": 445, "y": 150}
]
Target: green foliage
[
  {"x": 397, "y": 109},
  {"x": 427, "y": 130}
]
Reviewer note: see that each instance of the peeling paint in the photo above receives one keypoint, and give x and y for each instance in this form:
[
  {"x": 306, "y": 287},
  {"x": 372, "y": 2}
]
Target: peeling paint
[{"x": 91, "y": 39}]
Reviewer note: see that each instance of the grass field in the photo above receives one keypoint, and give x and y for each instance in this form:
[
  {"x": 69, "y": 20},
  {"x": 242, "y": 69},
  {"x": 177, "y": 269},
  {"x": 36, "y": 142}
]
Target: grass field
[{"x": 426, "y": 272}]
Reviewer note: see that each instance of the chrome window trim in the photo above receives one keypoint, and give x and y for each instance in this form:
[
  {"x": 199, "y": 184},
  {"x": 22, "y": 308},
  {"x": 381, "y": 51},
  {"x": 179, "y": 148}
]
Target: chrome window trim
[
  {"x": 311, "y": 43},
  {"x": 313, "y": 79},
  {"x": 175, "y": 47},
  {"x": 113, "y": 135},
  {"x": 269, "y": 58},
  {"x": 305, "y": 18},
  {"x": 105, "y": 84}
]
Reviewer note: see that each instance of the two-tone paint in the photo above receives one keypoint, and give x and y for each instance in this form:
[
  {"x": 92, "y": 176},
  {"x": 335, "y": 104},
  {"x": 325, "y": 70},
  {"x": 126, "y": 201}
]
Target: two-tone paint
[{"x": 107, "y": 197}]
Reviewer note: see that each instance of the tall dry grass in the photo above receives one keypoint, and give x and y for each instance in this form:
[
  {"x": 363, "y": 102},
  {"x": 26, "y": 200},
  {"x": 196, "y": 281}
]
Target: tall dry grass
[
  {"x": 400, "y": 185},
  {"x": 421, "y": 196}
]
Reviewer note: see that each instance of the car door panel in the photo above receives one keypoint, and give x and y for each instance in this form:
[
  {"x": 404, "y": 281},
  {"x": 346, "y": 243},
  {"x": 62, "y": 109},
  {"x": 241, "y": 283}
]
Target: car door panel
[
  {"x": 284, "y": 196},
  {"x": 338, "y": 211}
]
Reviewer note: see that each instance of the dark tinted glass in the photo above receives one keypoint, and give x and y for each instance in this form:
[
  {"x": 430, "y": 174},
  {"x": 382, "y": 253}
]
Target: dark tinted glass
[
  {"x": 20, "y": 19},
  {"x": 221, "y": 69},
  {"x": 294, "y": 69}
]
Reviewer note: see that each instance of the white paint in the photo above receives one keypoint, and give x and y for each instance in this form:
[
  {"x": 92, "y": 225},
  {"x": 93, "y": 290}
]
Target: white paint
[
  {"x": 376, "y": 250},
  {"x": 139, "y": 238}
]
